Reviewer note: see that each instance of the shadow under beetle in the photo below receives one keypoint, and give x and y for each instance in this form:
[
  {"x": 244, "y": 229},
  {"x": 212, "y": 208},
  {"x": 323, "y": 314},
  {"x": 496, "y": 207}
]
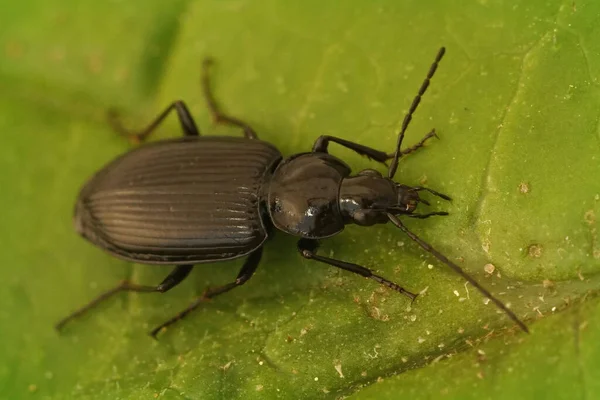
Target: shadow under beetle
[{"x": 199, "y": 199}]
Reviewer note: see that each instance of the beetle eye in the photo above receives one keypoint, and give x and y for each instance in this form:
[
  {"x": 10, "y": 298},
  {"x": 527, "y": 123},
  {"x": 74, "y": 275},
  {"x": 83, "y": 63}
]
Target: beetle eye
[{"x": 370, "y": 172}]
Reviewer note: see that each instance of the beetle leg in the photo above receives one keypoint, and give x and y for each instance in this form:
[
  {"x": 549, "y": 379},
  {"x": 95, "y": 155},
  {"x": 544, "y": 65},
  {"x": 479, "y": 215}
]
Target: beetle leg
[
  {"x": 308, "y": 249},
  {"x": 423, "y": 216},
  {"x": 218, "y": 116},
  {"x": 433, "y": 192},
  {"x": 245, "y": 273},
  {"x": 420, "y": 144},
  {"x": 322, "y": 143},
  {"x": 185, "y": 119},
  {"x": 173, "y": 279}
]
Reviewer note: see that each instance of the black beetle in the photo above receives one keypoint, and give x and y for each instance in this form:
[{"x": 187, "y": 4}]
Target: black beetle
[{"x": 200, "y": 199}]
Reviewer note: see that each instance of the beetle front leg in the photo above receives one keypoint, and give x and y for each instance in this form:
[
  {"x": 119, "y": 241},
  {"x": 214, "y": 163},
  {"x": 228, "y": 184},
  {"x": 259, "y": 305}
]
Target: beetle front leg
[
  {"x": 173, "y": 279},
  {"x": 245, "y": 273},
  {"x": 308, "y": 249},
  {"x": 322, "y": 143},
  {"x": 411, "y": 149},
  {"x": 185, "y": 119}
]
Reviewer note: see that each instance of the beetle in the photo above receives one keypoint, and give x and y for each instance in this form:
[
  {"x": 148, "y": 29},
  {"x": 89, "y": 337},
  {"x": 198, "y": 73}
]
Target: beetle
[{"x": 201, "y": 199}]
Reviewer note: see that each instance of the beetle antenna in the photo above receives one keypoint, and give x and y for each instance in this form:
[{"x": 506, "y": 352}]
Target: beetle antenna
[
  {"x": 411, "y": 110},
  {"x": 427, "y": 247}
]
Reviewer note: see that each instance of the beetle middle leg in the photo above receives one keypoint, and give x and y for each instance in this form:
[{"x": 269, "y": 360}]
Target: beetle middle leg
[
  {"x": 173, "y": 279},
  {"x": 248, "y": 269},
  {"x": 308, "y": 249},
  {"x": 185, "y": 119},
  {"x": 218, "y": 116}
]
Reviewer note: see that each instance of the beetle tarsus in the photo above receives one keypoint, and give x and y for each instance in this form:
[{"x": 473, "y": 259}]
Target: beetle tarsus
[
  {"x": 179, "y": 273},
  {"x": 185, "y": 119},
  {"x": 416, "y": 146}
]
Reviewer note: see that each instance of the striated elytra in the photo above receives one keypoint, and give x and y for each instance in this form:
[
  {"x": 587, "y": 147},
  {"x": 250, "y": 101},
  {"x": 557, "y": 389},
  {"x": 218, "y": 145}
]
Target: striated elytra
[{"x": 202, "y": 199}]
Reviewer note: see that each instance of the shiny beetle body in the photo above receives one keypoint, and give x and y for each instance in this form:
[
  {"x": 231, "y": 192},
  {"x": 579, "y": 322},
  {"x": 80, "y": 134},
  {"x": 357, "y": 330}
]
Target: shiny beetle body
[
  {"x": 202, "y": 199},
  {"x": 184, "y": 201}
]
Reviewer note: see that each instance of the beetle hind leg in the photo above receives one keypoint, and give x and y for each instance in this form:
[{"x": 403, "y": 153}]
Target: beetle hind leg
[
  {"x": 248, "y": 269},
  {"x": 173, "y": 279},
  {"x": 218, "y": 116}
]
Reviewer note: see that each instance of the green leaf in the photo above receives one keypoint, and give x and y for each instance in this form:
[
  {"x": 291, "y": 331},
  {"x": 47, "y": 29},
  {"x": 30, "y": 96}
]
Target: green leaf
[{"x": 515, "y": 103}]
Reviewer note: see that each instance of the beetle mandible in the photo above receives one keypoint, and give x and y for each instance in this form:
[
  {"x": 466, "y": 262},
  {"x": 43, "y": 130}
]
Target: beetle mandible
[{"x": 201, "y": 199}]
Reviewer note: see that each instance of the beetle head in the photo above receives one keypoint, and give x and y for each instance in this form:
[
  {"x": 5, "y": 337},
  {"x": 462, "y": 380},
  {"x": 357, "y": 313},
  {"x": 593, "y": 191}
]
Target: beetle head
[{"x": 365, "y": 199}]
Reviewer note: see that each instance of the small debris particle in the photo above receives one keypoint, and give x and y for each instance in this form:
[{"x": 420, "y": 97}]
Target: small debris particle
[
  {"x": 316, "y": 379},
  {"x": 289, "y": 339},
  {"x": 590, "y": 217},
  {"x": 480, "y": 374},
  {"x": 481, "y": 352},
  {"x": 226, "y": 366},
  {"x": 363, "y": 374},
  {"x": 456, "y": 293},
  {"x": 441, "y": 345},
  {"x": 430, "y": 266},
  {"x": 338, "y": 368},
  {"x": 461, "y": 330},
  {"x": 535, "y": 250},
  {"x": 399, "y": 244},
  {"x": 553, "y": 309},
  {"x": 547, "y": 283},
  {"x": 379, "y": 379},
  {"x": 467, "y": 289},
  {"x": 420, "y": 340},
  {"x": 32, "y": 388},
  {"x": 261, "y": 363},
  {"x": 486, "y": 245},
  {"x": 524, "y": 187},
  {"x": 428, "y": 332},
  {"x": 422, "y": 292},
  {"x": 404, "y": 359},
  {"x": 486, "y": 301},
  {"x": 489, "y": 268},
  {"x": 259, "y": 388},
  {"x": 413, "y": 318},
  {"x": 438, "y": 358}
]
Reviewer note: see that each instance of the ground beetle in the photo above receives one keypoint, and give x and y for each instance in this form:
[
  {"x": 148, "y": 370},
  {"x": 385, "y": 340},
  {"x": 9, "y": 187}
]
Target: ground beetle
[{"x": 200, "y": 199}]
